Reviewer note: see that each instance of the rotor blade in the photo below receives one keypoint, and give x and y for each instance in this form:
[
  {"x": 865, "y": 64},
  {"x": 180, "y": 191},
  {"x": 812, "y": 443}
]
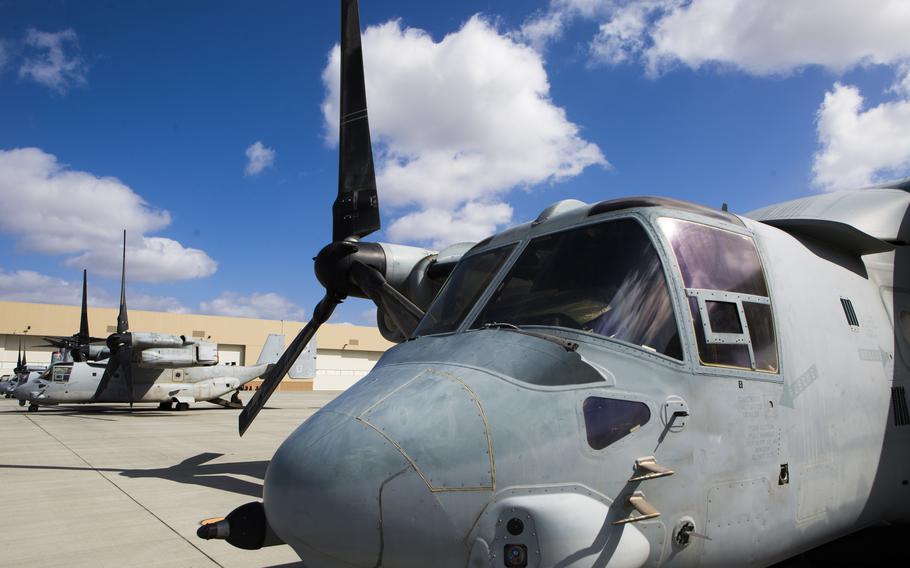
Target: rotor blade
[
  {"x": 59, "y": 342},
  {"x": 112, "y": 364},
  {"x": 403, "y": 313},
  {"x": 276, "y": 372},
  {"x": 19, "y": 355},
  {"x": 83, "y": 336},
  {"x": 123, "y": 323},
  {"x": 355, "y": 212},
  {"x": 126, "y": 368}
]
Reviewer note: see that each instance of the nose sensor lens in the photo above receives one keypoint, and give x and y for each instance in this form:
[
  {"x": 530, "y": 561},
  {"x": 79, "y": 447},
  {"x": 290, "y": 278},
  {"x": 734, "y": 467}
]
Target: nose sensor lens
[{"x": 515, "y": 555}]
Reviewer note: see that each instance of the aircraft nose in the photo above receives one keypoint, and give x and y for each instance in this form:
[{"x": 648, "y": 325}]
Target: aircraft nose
[
  {"x": 322, "y": 488},
  {"x": 359, "y": 483}
]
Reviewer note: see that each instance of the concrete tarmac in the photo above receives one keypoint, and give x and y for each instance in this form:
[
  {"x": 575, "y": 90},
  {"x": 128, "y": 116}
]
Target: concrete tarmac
[{"x": 98, "y": 485}]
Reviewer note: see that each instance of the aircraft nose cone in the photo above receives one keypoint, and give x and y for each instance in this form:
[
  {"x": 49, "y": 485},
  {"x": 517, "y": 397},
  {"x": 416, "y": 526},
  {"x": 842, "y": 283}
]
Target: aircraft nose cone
[
  {"x": 322, "y": 490},
  {"x": 373, "y": 479}
]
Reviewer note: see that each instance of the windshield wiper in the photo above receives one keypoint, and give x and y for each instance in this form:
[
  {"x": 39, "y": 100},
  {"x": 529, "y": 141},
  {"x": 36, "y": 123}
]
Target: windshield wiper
[{"x": 562, "y": 342}]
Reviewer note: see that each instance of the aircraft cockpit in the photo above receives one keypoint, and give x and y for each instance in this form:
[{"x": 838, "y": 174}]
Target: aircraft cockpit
[
  {"x": 58, "y": 373},
  {"x": 617, "y": 279}
]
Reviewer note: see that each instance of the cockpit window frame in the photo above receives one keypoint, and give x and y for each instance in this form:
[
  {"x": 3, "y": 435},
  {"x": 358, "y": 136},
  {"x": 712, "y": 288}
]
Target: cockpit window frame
[
  {"x": 680, "y": 291},
  {"x": 517, "y": 246},
  {"x": 646, "y": 219}
]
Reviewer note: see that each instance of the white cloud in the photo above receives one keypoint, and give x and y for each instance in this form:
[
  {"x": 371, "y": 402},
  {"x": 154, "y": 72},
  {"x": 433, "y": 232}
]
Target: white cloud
[
  {"x": 760, "y": 37},
  {"x": 53, "y": 209},
  {"x": 778, "y": 37},
  {"x": 3, "y": 55},
  {"x": 256, "y": 305},
  {"x": 155, "y": 259},
  {"x": 457, "y": 124},
  {"x": 550, "y": 24},
  {"x": 857, "y": 146},
  {"x": 471, "y": 222},
  {"x": 30, "y": 286},
  {"x": 860, "y": 146},
  {"x": 152, "y": 303},
  {"x": 53, "y": 59},
  {"x": 259, "y": 157}
]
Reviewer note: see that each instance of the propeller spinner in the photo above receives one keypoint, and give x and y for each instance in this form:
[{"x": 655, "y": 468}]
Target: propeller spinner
[{"x": 346, "y": 267}]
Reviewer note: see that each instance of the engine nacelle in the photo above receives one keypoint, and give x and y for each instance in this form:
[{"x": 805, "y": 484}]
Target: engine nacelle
[
  {"x": 198, "y": 353},
  {"x": 143, "y": 340},
  {"x": 98, "y": 351},
  {"x": 410, "y": 270},
  {"x": 168, "y": 357}
]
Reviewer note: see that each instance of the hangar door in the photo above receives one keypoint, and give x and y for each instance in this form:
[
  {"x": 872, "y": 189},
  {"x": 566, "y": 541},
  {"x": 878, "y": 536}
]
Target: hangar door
[{"x": 231, "y": 354}]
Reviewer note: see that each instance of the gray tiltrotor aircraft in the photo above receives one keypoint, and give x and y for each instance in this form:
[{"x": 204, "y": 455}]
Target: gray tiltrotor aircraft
[
  {"x": 637, "y": 382},
  {"x": 171, "y": 370},
  {"x": 22, "y": 374}
]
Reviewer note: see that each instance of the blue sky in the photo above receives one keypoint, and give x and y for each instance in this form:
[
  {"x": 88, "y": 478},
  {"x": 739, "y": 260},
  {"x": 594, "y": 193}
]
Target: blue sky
[{"x": 483, "y": 114}]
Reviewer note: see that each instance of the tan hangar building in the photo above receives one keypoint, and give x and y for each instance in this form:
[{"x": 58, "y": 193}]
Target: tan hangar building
[{"x": 344, "y": 352}]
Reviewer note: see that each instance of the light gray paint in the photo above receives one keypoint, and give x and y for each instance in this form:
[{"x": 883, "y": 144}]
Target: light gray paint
[
  {"x": 421, "y": 461},
  {"x": 157, "y": 385}
]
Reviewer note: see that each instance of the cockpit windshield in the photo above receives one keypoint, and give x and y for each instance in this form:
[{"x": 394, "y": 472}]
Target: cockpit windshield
[
  {"x": 605, "y": 279},
  {"x": 461, "y": 291}
]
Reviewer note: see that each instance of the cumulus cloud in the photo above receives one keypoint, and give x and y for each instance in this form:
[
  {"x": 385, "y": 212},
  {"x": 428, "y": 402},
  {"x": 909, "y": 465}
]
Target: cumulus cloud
[
  {"x": 547, "y": 25},
  {"x": 857, "y": 146},
  {"x": 761, "y": 37},
  {"x": 52, "y": 59},
  {"x": 153, "y": 303},
  {"x": 31, "y": 286},
  {"x": 471, "y": 222},
  {"x": 54, "y": 209},
  {"x": 154, "y": 259},
  {"x": 860, "y": 146},
  {"x": 457, "y": 124},
  {"x": 258, "y": 158},
  {"x": 256, "y": 305},
  {"x": 777, "y": 37}
]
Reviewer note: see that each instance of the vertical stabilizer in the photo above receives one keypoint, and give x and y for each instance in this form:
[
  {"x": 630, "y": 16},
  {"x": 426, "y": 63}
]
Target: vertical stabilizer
[{"x": 272, "y": 349}]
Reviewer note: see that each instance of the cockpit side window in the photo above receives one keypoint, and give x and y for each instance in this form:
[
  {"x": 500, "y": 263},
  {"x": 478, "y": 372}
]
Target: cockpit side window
[
  {"x": 461, "y": 291},
  {"x": 728, "y": 295},
  {"x": 605, "y": 278},
  {"x": 62, "y": 373}
]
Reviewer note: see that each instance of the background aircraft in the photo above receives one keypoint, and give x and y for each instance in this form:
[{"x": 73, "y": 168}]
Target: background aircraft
[
  {"x": 637, "y": 382},
  {"x": 22, "y": 373},
  {"x": 140, "y": 367}
]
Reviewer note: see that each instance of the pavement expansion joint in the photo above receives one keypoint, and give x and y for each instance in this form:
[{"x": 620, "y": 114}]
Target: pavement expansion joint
[{"x": 123, "y": 491}]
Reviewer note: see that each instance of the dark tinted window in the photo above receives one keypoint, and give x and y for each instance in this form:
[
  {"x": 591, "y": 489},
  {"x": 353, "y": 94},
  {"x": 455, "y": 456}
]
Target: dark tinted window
[
  {"x": 716, "y": 260},
  {"x": 608, "y": 420},
  {"x": 761, "y": 329},
  {"x": 713, "y": 259},
  {"x": 467, "y": 282},
  {"x": 605, "y": 278},
  {"x": 724, "y": 317},
  {"x": 724, "y": 354}
]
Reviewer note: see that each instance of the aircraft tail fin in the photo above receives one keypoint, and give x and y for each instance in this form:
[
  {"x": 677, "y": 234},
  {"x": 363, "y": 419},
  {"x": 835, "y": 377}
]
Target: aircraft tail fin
[{"x": 272, "y": 349}]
